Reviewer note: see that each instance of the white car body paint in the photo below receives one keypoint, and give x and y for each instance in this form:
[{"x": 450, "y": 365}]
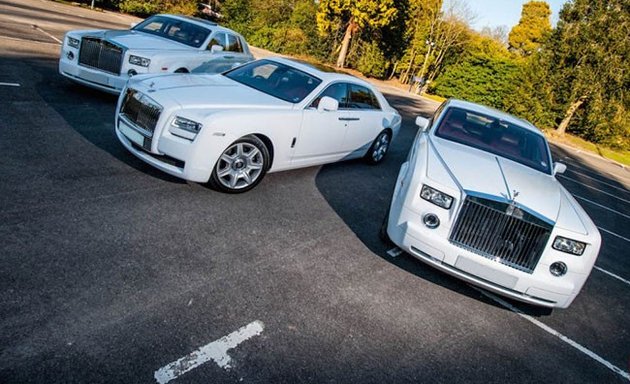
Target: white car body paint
[
  {"x": 462, "y": 171},
  {"x": 300, "y": 136},
  {"x": 167, "y": 56}
]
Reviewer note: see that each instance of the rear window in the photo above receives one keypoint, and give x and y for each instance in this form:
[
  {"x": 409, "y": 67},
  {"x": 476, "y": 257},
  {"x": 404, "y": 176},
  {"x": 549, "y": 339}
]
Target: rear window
[
  {"x": 496, "y": 136},
  {"x": 174, "y": 29}
]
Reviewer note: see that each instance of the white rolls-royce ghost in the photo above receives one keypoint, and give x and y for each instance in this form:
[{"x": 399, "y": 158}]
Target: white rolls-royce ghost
[
  {"x": 477, "y": 198},
  {"x": 106, "y": 59},
  {"x": 264, "y": 116}
]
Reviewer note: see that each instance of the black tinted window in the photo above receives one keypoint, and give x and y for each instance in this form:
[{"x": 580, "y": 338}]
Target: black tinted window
[
  {"x": 174, "y": 29},
  {"x": 233, "y": 44},
  {"x": 493, "y": 135},
  {"x": 338, "y": 91},
  {"x": 362, "y": 98}
]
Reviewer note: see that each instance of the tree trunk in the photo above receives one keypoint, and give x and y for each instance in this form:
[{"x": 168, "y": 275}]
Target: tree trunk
[
  {"x": 569, "y": 114},
  {"x": 405, "y": 76},
  {"x": 345, "y": 44}
]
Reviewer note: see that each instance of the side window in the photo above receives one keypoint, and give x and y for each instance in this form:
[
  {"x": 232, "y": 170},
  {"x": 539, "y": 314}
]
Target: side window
[
  {"x": 233, "y": 44},
  {"x": 338, "y": 91},
  {"x": 362, "y": 98},
  {"x": 217, "y": 39}
]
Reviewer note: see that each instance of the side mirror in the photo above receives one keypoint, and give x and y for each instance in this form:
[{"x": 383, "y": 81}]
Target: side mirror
[
  {"x": 216, "y": 48},
  {"x": 328, "y": 104},
  {"x": 559, "y": 168},
  {"x": 422, "y": 123}
]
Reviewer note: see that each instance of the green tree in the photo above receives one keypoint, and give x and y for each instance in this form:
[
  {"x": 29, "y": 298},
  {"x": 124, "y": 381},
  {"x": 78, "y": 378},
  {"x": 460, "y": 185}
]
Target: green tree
[
  {"x": 532, "y": 29},
  {"x": 352, "y": 16},
  {"x": 486, "y": 73},
  {"x": 587, "y": 64}
]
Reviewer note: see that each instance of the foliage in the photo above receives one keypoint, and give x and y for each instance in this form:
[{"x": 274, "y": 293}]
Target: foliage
[
  {"x": 353, "y": 16},
  {"x": 587, "y": 61},
  {"x": 532, "y": 29},
  {"x": 150, "y": 7},
  {"x": 372, "y": 61},
  {"x": 486, "y": 74}
]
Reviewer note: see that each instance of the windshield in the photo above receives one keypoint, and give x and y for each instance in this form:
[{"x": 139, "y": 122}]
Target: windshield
[
  {"x": 275, "y": 79},
  {"x": 496, "y": 136},
  {"x": 174, "y": 29}
]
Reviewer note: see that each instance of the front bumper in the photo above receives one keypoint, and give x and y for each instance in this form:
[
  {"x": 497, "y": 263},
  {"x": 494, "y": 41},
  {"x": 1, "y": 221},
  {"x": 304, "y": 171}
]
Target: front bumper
[
  {"x": 176, "y": 156},
  {"x": 93, "y": 78},
  {"x": 538, "y": 288}
]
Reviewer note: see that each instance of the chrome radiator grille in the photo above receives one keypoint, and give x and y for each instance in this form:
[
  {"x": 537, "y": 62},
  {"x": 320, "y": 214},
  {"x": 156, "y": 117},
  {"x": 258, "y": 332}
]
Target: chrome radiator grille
[
  {"x": 501, "y": 232},
  {"x": 142, "y": 112},
  {"x": 100, "y": 54}
]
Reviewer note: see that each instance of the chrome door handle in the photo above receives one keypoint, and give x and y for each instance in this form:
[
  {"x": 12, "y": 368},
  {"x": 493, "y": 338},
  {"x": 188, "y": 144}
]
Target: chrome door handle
[{"x": 349, "y": 118}]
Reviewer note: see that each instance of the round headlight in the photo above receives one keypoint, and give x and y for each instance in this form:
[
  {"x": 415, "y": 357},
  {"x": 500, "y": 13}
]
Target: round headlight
[
  {"x": 70, "y": 55},
  {"x": 558, "y": 268},
  {"x": 431, "y": 220},
  {"x": 132, "y": 72}
]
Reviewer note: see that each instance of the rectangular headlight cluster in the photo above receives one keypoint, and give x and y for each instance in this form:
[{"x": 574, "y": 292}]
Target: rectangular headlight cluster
[
  {"x": 573, "y": 247},
  {"x": 436, "y": 197},
  {"x": 185, "y": 128},
  {"x": 74, "y": 43},
  {"x": 141, "y": 61}
]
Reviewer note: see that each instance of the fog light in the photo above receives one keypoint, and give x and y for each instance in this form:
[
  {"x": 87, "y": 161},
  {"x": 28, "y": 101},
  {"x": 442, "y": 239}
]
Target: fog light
[
  {"x": 431, "y": 220},
  {"x": 70, "y": 55},
  {"x": 558, "y": 268},
  {"x": 132, "y": 72}
]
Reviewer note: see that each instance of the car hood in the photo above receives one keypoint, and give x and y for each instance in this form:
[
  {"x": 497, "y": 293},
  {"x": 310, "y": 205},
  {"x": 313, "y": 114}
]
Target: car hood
[
  {"x": 204, "y": 91},
  {"x": 136, "y": 41},
  {"x": 484, "y": 173}
]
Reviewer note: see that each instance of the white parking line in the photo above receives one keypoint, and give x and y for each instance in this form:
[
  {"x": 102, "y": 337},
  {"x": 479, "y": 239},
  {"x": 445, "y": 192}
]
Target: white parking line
[
  {"x": 46, "y": 33},
  {"x": 599, "y": 181},
  {"x": 217, "y": 351},
  {"x": 553, "y": 332},
  {"x": 599, "y": 172},
  {"x": 612, "y": 275},
  {"x": 395, "y": 252},
  {"x": 601, "y": 206},
  {"x": 9, "y": 84},
  {"x": 598, "y": 190},
  {"x": 614, "y": 234}
]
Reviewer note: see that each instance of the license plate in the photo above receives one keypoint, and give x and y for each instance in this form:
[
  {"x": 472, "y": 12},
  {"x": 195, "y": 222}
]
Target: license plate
[
  {"x": 131, "y": 133},
  {"x": 93, "y": 77}
]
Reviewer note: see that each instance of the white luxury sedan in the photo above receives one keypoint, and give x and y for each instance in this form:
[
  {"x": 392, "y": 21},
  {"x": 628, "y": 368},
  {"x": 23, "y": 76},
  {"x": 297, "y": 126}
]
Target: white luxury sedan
[
  {"x": 106, "y": 59},
  {"x": 477, "y": 199},
  {"x": 265, "y": 116}
]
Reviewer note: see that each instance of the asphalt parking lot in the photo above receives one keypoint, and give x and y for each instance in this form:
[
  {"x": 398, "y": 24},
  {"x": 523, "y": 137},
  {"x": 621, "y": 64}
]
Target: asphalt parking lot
[{"x": 111, "y": 271}]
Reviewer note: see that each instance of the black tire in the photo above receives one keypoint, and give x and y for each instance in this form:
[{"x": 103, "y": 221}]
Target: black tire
[
  {"x": 379, "y": 148},
  {"x": 241, "y": 166},
  {"x": 181, "y": 70}
]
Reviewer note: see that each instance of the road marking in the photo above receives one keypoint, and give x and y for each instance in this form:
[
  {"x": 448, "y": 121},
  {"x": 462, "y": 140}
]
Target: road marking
[
  {"x": 46, "y": 33},
  {"x": 599, "y": 181},
  {"x": 559, "y": 335},
  {"x": 614, "y": 234},
  {"x": 395, "y": 252},
  {"x": 612, "y": 274},
  {"x": 217, "y": 351},
  {"x": 4, "y": 37},
  {"x": 10, "y": 84},
  {"x": 598, "y": 190},
  {"x": 601, "y": 206},
  {"x": 599, "y": 172}
]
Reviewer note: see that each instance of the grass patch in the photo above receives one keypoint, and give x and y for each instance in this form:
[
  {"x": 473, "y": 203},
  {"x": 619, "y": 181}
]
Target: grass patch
[{"x": 617, "y": 155}]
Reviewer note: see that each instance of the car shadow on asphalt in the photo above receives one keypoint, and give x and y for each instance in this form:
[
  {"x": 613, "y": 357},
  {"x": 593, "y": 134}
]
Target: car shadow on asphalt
[
  {"x": 360, "y": 194},
  {"x": 89, "y": 112}
]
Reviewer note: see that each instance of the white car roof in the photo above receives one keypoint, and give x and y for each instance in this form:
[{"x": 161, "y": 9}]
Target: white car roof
[{"x": 474, "y": 107}]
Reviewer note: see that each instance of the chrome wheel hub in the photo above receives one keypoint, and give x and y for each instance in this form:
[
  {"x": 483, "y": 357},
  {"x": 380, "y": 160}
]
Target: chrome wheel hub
[
  {"x": 380, "y": 148},
  {"x": 240, "y": 166}
]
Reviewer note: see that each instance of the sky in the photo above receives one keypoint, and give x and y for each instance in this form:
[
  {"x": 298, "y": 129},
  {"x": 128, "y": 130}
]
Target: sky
[{"x": 494, "y": 13}]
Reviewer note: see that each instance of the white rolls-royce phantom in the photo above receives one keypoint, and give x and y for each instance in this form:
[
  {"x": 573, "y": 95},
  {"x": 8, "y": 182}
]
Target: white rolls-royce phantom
[
  {"x": 106, "y": 59},
  {"x": 265, "y": 116},
  {"x": 477, "y": 199}
]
